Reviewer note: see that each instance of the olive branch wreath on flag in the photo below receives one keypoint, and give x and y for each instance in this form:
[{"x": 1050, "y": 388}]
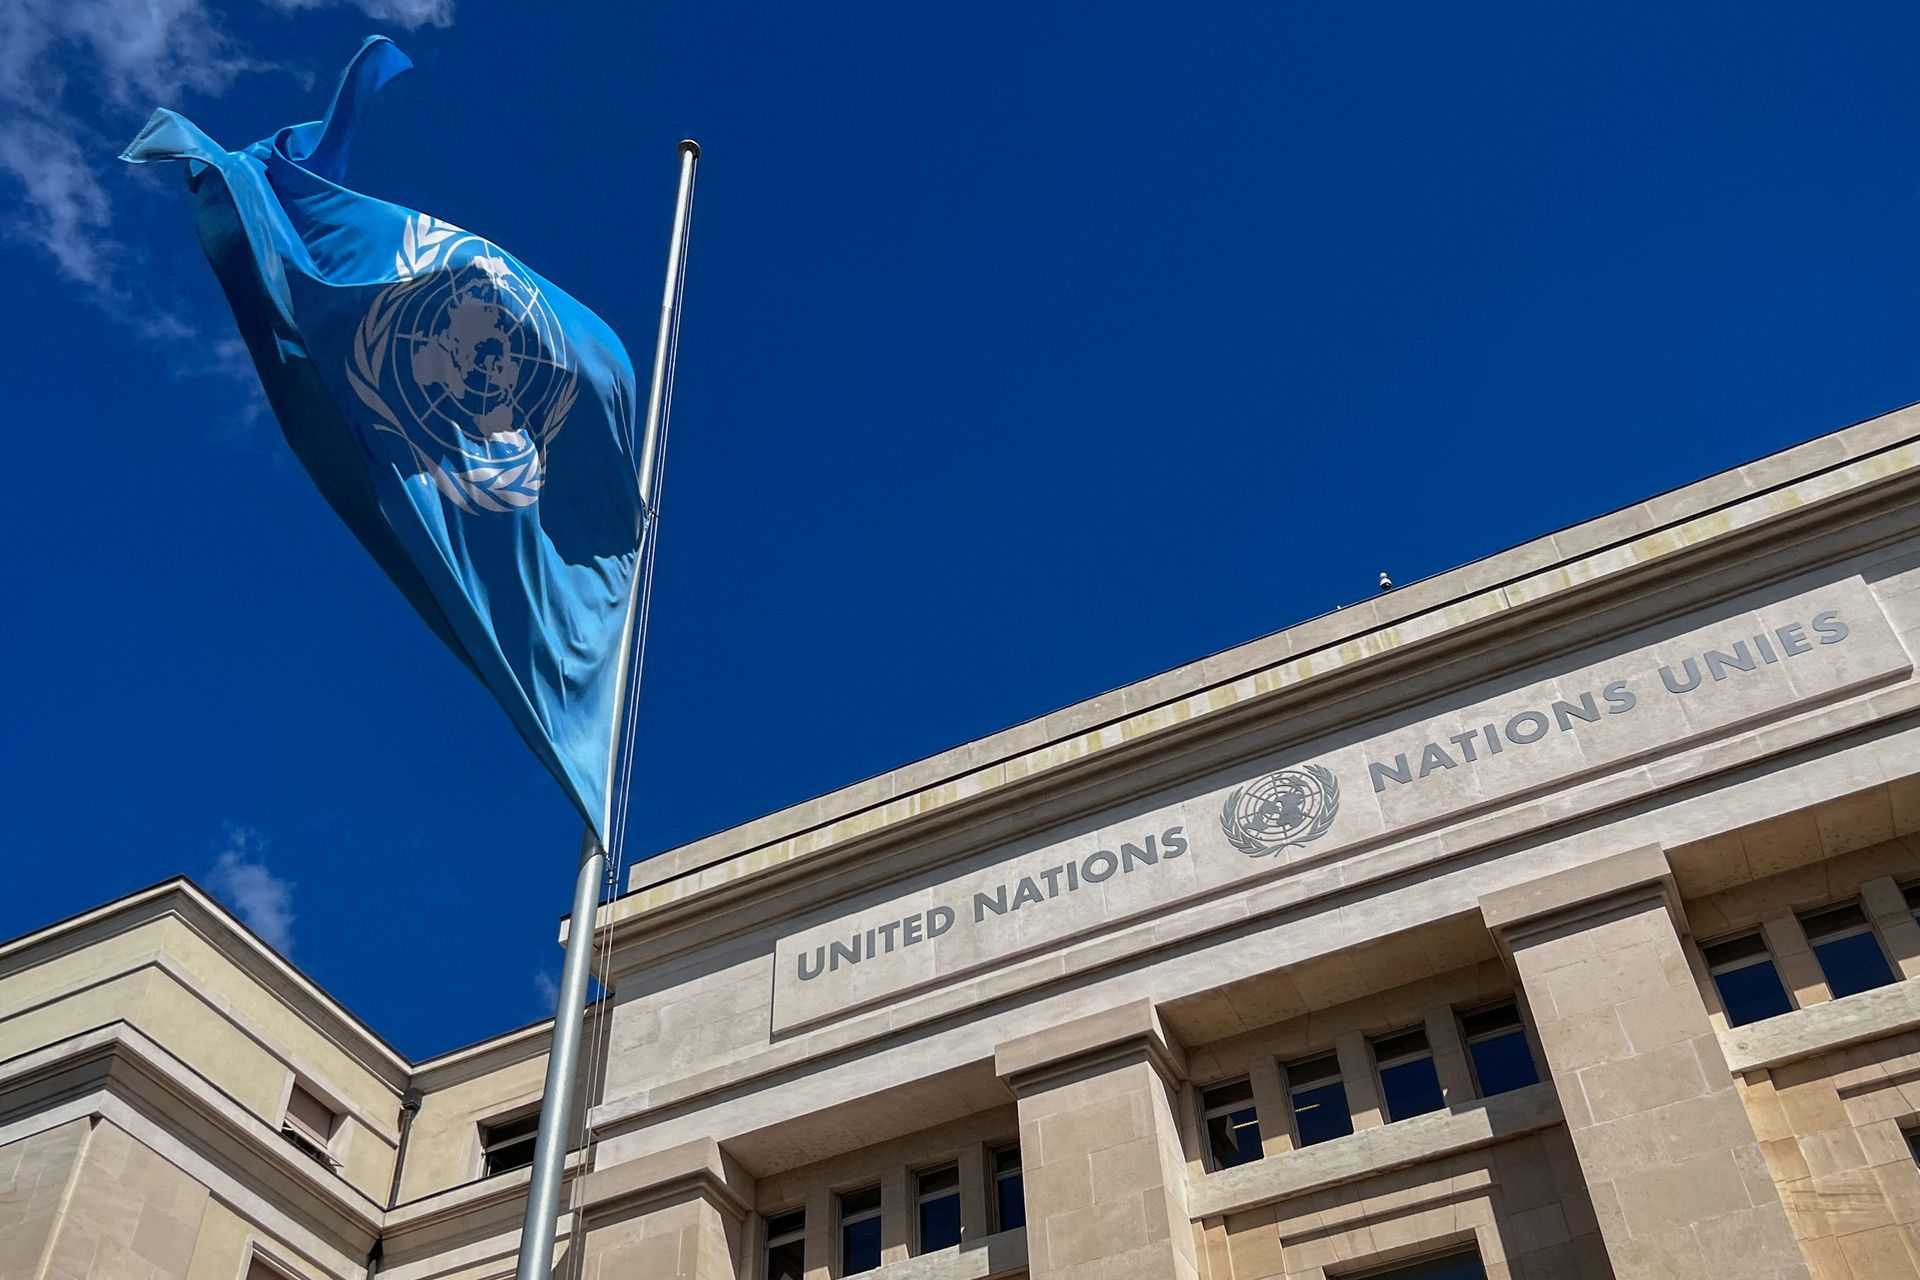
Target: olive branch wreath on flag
[{"x": 424, "y": 246}]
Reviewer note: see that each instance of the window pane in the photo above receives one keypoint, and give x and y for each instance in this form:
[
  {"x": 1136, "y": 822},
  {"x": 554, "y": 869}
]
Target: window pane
[
  {"x": 310, "y": 1113},
  {"x": 510, "y": 1155},
  {"x": 1406, "y": 1044},
  {"x": 939, "y": 1222},
  {"x": 1312, "y": 1071},
  {"x": 1230, "y": 1096},
  {"x": 1463, "y": 1264},
  {"x": 859, "y": 1246},
  {"x": 1010, "y": 1200},
  {"x": 1748, "y": 946},
  {"x": 791, "y": 1223},
  {"x": 1411, "y": 1088},
  {"x": 855, "y": 1203},
  {"x": 786, "y": 1261},
  {"x": 1503, "y": 1063},
  {"x": 507, "y": 1130},
  {"x": 1751, "y": 993},
  {"x": 1233, "y": 1138},
  {"x": 1495, "y": 1021},
  {"x": 1320, "y": 1113},
  {"x": 945, "y": 1178},
  {"x": 1007, "y": 1160},
  {"x": 1853, "y": 964},
  {"x": 1821, "y": 925}
]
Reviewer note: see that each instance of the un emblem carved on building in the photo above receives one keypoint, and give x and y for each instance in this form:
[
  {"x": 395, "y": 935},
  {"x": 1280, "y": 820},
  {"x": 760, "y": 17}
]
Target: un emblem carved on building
[
  {"x": 462, "y": 359},
  {"x": 1288, "y": 807}
]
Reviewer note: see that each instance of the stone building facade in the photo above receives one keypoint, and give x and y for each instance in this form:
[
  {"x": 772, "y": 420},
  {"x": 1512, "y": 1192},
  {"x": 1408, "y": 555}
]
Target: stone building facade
[{"x": 1551, "y": 917}]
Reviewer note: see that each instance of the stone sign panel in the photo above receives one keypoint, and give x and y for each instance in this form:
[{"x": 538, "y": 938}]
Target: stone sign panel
[{"x": 1692, "y": 679}]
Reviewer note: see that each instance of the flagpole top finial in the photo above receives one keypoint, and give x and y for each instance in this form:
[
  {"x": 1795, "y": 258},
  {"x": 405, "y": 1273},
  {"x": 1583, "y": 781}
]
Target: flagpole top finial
[{"x": 688, "y": 147}]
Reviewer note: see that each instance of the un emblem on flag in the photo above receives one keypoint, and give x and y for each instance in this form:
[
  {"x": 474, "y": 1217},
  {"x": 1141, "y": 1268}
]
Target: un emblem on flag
[
  {"x": 462, "y": 359},
  {"x": 1289, "y": 807}
]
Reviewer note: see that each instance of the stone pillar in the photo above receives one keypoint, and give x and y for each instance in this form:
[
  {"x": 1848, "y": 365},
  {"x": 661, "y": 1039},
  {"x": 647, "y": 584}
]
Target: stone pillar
[
  {"x": 1665, "y": 1145},
  {"x": 1271, "y": 1106},
  {"x": 679, "y": 1214},
  {"x": 1106, "y": 1180},
  {"x": 1887, "y": 905}
]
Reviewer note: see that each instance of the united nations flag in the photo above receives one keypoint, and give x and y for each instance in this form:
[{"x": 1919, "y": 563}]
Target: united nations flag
[{"x": 472, "y": 424}]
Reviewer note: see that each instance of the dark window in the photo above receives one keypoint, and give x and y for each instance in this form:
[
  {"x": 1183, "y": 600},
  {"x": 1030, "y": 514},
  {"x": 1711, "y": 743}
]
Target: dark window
[
  {"x": 1319, "y": 1100},
  {"x": 508, "y": 1144},
  {"x": 1498, "y": 1049},
  {"x": 937, "y": 1207},
  {"x": 859, "y": 1230},
  {"x": 1455, "y": 1264},
  {"x": 1009, "y": 1190},
  {"x": 1409, "y": 1084},
  {"x": 309, "y": 1124},
  {"x": 1233, "y": 1129},
  {"x": 1912, "y": 892},
  {"x": 1743, "y": 974},
  {"x": 1913, "y": 1144},
  {"x": 787, "y": 1245},
  {"x": 1849, "y": 953}
]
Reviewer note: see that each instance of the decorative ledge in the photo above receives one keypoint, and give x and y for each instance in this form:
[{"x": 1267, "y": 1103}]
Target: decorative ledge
[
  {"x": 995, "y": 1255},
  {"x": 1822, "y": 1028},
  {"x": 1371, "y": 1151}
]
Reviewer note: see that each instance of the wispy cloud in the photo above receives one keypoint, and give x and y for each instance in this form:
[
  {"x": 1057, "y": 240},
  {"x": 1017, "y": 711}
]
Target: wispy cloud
[
  {"x": 407, "y": 13},
  {"x": 240, "y": 877},
  {"x": 76, "y": 76}
]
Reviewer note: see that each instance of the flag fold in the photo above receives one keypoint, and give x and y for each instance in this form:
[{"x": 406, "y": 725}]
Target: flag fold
[{"x": 473, "y": 425}]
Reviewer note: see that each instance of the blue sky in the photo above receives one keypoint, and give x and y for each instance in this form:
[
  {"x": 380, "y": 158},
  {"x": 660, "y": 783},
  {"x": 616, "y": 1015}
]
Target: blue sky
[{"x": 1024, "y": 356}]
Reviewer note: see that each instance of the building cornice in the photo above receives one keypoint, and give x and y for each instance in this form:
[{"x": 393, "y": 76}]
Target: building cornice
[
  {"x": 186, "y": 902},
  {"x": 121, "y": 1059},
  {"x": 1626, "y": 564}
]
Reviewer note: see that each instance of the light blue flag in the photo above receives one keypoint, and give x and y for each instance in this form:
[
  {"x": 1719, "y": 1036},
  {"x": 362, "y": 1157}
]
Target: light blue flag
[{"x": 472, "y": 424}]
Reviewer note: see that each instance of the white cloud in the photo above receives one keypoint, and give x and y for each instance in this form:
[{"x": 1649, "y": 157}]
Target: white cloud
[
  {"x": 407, "y": 13},
  {"x": 549, "y": 990},
  {"x": 77, "y": 77},
  {"x": 241, "y": 879}
]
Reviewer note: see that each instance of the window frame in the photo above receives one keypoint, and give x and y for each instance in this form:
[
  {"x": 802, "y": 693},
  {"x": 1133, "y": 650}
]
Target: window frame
[
  {"x": 996, "y": 1175},
  {"x": 1715, "y": 969},
  {"x": 841, "y": 1222},
  {"x": 316, "y": 1147},
  {"x": 1864, "y": 928},
  {"x": 1382, "y": 1065},
  {"x": 921, "y": 1196},
  {"x": 1293, "y": 1090},
  {"x": 1468, "y": 1041},
  {"x": 1459, "y": 1250},
  {"x": 517, "y": 1116},
  {"x": 1226, "y": 1111},
  {"x": 771, "y": 1239}
]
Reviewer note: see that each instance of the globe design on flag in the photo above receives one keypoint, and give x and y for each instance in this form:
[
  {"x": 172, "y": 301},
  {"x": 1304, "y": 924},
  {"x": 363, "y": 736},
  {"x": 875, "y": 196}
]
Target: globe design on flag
[
  {"x": 463, "y": 359},
  {"x": 1288, "y": 807}
]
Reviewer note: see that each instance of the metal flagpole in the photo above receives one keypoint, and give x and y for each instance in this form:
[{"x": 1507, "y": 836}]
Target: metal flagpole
[{"x": 563, "y": 1061}]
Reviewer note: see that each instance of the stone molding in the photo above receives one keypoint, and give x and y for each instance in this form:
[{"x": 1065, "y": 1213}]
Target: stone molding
[
  {"x": 189, "y": 904},
  {"x": 339, "y": 1099},
  {"x": 118, "y": 1065},
  {"x": 1581, "y": 894},
  {"x": 1369, "y": 1152},
  {"x": 1002, "y": 1253},
  {"x": 1724, "y": 510},
  {"x": 1120, "y": 1034},
  {"x": 1822, "y": 1028},
  {"x": 698, "y": 1169}
]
